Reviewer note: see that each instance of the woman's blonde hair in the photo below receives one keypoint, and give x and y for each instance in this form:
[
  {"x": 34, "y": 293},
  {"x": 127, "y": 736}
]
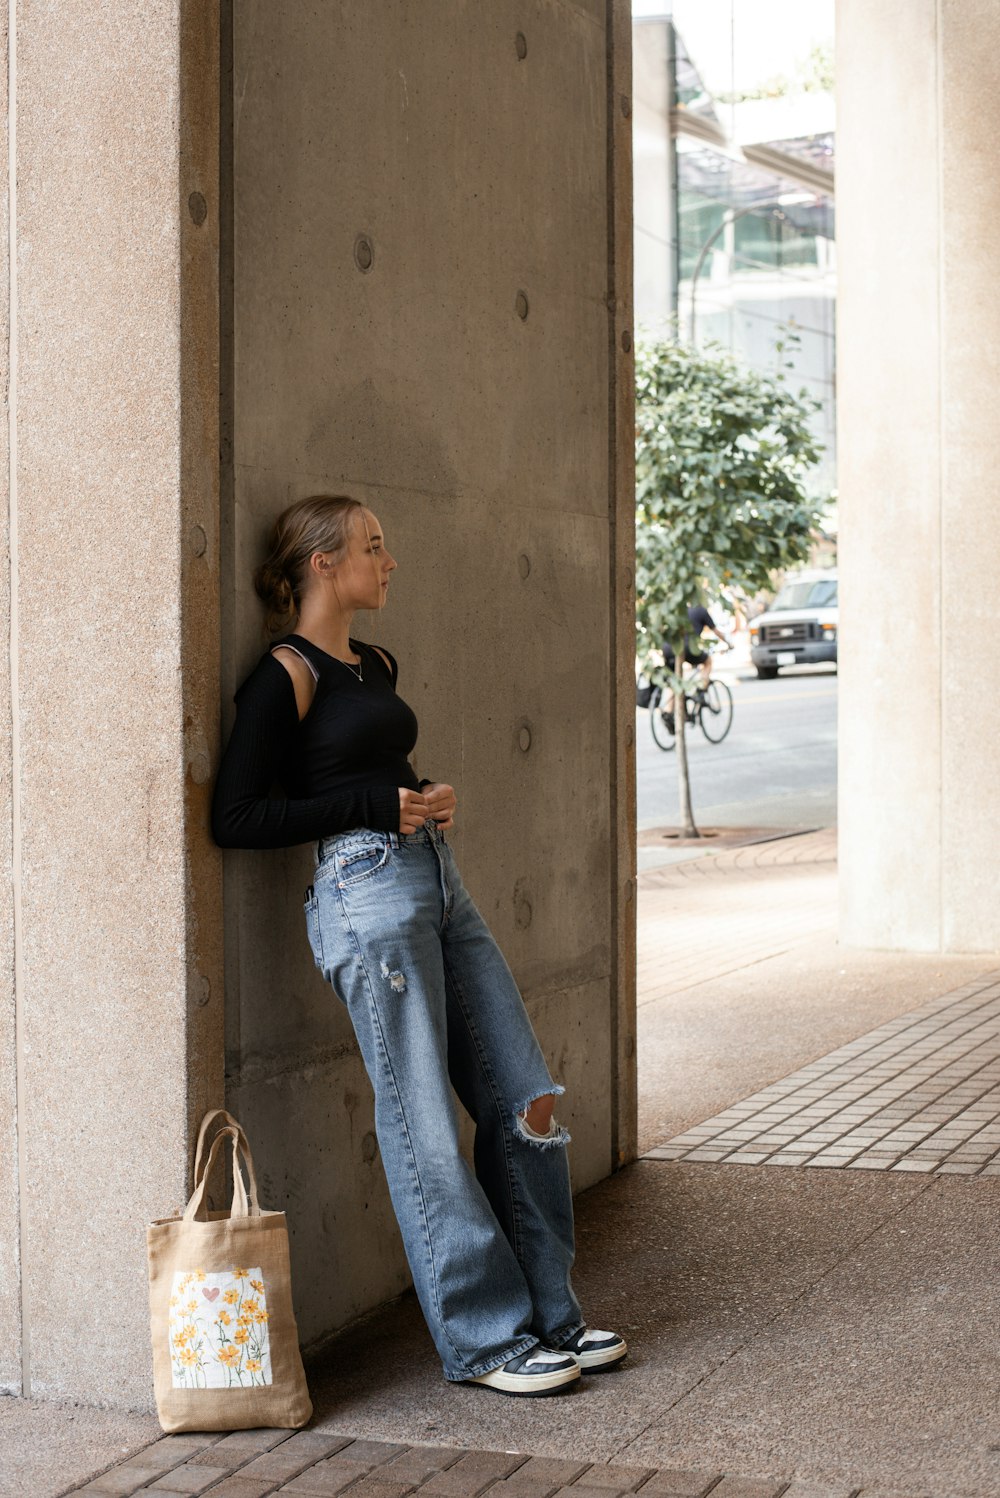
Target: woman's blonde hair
[{"x": 320, "y": 522}]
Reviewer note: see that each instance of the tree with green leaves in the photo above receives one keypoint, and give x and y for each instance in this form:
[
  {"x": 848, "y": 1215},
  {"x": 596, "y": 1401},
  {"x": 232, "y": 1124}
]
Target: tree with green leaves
[{"x": 722, "y": 458}]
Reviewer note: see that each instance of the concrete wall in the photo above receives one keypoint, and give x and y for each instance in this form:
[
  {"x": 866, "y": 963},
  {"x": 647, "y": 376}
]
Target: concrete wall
[
  {"x": 495, "y": 449},
  {"x": 110, "y": 886},
  {"x": 919, "y": 361}
]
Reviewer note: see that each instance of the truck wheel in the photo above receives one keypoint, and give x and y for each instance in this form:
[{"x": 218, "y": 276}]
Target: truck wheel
[{"x": 767, "y": 673}]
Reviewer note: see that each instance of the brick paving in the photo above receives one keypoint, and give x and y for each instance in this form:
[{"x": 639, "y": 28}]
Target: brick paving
[
  {"x": 921, "y": 1093},
  {"x": 256, "y": 1463}
]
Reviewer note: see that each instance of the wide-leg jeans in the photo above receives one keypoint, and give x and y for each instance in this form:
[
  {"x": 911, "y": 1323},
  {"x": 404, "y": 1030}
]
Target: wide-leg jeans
[{"x": 434, "y": 1007}]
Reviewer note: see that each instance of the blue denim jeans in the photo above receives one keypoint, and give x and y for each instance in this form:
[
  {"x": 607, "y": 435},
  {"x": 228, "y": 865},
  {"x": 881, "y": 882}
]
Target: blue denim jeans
[{"x": 435, "y": 1006}]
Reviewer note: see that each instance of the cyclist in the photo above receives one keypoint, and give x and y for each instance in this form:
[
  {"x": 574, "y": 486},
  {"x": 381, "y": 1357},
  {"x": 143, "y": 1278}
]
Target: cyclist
[{"x": 700, "y": 619}]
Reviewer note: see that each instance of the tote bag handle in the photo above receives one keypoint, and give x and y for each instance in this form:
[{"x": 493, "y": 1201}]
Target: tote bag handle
[
  {"x": 232, "y": 1126},
  {"x": 240, "y": 1206}
]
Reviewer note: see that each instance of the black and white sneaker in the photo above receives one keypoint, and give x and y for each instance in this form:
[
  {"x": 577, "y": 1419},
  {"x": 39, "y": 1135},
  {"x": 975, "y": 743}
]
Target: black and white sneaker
[
  {"x": 537, "y": 1371},
  {"x": 595, "y": 1352}
]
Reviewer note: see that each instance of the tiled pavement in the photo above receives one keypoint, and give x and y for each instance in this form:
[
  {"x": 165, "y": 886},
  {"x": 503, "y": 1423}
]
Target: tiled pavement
[
  {"x": 252, "y": 1464},
  {"x": 921, "y": 1093}
]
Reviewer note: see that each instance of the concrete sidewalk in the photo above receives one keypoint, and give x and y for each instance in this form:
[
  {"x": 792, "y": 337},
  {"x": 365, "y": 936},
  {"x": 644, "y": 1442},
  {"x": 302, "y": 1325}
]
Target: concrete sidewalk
[{"x": 809, "y": 1332}]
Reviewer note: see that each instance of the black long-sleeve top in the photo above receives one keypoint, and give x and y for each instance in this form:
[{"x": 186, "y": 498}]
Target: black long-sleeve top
[{"x": 340, "y": 767}]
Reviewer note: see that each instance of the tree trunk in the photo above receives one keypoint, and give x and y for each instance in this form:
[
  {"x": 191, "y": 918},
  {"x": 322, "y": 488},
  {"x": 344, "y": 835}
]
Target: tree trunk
[{"x": 688, "y": 828}]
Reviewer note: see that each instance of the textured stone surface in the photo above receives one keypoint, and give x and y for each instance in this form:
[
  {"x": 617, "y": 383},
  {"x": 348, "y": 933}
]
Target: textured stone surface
[
  {"x": 479, "y": 438},
  {"x": 114, "y": 412},
  {"x": 48, "y": 1445},
  {"x": 10, "y": 1269},
  {"x": 917, "y": 428}
]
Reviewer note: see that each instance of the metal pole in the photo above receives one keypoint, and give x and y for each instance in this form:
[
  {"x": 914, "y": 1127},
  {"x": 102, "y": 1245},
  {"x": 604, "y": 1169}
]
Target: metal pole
[{"x": 729, "y": 217}]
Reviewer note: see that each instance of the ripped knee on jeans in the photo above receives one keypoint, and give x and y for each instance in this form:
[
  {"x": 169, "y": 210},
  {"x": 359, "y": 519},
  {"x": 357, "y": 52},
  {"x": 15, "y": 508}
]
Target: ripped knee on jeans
[{"x": 535, "y": 1124}]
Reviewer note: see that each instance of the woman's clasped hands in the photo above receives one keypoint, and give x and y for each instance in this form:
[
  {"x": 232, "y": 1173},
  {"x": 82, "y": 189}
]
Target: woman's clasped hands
[{"x": 436, "y": 800}]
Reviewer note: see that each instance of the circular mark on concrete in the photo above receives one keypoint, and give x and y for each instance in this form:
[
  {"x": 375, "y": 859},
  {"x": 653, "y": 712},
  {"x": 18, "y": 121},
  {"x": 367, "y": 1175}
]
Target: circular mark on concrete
[
  {"x": 522, "y": 911},
  {"x": 626, "y": 103},
  {"x": 369, "y": 1148},
  {"x": 521, "y": 43},
  {"x": 204, "y": 991},
  {"x": 629, "y": 735},
  {"x": 200, "y": 767},
  {"x": 521, "y": 305},
  {"x": 524, "y": 739},
  {"x": 198, "y": 209},
  {"x": 627, "y": 341},
  {"x": 199, "y": 541},
  {"x": 524, "y": 564},
  {"x": 364, "y": 253}
]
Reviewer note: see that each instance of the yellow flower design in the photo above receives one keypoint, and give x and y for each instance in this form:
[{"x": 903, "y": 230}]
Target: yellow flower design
[{"x": 223, "y": 1344}]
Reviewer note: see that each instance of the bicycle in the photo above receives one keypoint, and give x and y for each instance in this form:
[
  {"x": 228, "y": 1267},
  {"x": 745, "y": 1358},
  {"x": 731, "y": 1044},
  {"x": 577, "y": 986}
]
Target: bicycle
[{"x": 710, "y": 706}]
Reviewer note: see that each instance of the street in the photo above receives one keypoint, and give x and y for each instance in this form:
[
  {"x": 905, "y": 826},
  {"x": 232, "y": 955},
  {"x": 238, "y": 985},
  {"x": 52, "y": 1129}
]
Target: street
[{"x": 777, "y": 767}]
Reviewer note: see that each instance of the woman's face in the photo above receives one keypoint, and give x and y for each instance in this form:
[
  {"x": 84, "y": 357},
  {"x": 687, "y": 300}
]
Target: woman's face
[{"x": 366, "y": 567}]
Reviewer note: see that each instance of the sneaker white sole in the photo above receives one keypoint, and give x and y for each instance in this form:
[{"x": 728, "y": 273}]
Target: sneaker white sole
[
  {"x": 597, "y": 1361},
  {"x": 526, "y": 1383}
]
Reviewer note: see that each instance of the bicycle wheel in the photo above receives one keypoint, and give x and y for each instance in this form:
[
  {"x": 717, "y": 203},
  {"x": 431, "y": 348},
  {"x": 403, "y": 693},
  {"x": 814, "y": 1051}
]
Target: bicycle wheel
[
  {"x": 662, "y": 736},
  {"x": 716, "y": 712}
]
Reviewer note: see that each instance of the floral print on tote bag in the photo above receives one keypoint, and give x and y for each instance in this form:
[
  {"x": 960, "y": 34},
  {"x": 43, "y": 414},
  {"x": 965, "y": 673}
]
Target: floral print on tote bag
[{"x": 218, "y": 1330}]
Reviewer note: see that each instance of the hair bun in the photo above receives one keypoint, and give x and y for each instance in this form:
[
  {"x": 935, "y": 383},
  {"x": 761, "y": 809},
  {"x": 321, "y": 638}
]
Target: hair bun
[{"x": 274, "y": 588}]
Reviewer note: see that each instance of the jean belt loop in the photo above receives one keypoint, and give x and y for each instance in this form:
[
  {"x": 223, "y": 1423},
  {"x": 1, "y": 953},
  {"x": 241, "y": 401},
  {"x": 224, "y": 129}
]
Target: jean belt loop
[{"x": 393, "y": 839}]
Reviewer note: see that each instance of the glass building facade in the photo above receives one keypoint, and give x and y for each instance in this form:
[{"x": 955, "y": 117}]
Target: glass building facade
[{"x": 735, "y": 236}]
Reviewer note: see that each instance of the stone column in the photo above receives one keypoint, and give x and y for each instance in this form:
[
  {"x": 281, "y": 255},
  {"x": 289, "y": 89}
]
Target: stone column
[
  {"x": 424, "y": 296},
  {"x": 918, "y": 196},
  {"x": 112, "y": 1046}
]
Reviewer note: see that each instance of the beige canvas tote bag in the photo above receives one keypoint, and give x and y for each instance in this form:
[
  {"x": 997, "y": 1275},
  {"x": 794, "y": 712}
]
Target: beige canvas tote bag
[{"x": 225, "y": 1344}]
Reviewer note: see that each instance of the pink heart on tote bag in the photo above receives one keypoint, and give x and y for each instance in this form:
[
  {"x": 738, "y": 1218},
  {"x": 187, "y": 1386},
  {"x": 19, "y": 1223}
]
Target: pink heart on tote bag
[{"x": 210, "y": 1294}]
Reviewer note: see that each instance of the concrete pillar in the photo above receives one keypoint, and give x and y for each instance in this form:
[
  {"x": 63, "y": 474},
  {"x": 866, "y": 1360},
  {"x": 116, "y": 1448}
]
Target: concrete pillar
[
  {"x": 473, "y": 383},
  {"x": 919, "y": 359},
  {"x": 431, "y": 310},
  {"x": 110, "y": 955}
]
